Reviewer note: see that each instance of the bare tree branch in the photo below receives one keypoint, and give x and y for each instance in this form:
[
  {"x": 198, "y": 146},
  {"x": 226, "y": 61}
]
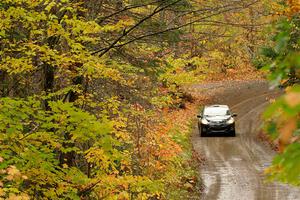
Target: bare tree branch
[
  {"x": 177, "y": 27},
  {"x": 125, "y": 9},
  {"x": 219, "y": 23},
  {"x": 126, "y": 32}
]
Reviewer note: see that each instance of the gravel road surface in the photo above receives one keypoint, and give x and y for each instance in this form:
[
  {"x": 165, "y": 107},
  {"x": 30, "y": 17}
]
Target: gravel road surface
[{"x": 234, "y": 165}]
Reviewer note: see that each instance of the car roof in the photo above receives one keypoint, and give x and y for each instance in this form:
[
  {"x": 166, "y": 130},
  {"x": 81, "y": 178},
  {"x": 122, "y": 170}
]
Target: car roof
[{"x": 217, "y": 106}]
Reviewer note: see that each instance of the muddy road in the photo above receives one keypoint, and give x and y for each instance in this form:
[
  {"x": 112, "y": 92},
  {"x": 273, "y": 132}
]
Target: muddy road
[{"x": 234, "y": 166}]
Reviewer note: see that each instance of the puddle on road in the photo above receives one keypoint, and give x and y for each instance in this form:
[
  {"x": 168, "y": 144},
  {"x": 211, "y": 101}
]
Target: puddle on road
[
  {"x": 236, "y": 159},
  {"x": 265, "y": 165}
]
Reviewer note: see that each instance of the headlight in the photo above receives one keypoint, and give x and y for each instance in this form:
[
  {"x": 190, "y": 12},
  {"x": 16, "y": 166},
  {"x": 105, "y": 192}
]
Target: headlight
[
  {"x": 230, "y": 121},
  {"x": 204, "y": 121}
]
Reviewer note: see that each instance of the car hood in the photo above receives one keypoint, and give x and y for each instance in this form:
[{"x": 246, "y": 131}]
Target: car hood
[{"x": 218, "y": 118}]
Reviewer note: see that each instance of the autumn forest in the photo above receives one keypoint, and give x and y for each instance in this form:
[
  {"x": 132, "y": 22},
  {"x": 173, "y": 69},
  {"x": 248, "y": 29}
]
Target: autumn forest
[{"x": 96, "y": 97}]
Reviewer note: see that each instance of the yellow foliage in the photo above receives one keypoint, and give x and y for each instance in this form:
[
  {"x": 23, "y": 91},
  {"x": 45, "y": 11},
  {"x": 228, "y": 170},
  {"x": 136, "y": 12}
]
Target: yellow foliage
[
  {"x": 18, "y": 197},
  {"x": 2, "y": 193}
]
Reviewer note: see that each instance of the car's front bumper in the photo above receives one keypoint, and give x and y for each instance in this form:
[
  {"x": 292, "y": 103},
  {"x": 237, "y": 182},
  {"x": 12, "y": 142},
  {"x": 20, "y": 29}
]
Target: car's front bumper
[{"x": 221, "y": 128}]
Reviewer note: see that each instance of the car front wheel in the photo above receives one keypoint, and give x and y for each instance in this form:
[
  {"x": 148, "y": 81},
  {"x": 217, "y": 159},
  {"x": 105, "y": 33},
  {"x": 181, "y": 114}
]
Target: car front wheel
[
  {"x": 232, "y": 133},
  {"x": 201, "y": 131}
]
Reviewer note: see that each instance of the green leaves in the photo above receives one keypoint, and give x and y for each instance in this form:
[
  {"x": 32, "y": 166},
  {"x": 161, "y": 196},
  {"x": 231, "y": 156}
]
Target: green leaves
[
  {"x": 284, "y": 54},
  {"x": 286, "y": 166},
  {"x": 282, "y": 117},
  {"x": 283, "y": 37},
  {"x": 30, "y": 138}
]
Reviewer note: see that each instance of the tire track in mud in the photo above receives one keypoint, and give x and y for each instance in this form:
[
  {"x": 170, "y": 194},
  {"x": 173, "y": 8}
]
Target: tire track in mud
[{"x": 234, "y": 167}]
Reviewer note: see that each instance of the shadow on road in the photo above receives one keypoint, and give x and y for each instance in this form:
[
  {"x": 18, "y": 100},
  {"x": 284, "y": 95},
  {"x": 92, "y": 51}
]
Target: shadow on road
[{"x": 220, "y": 135}]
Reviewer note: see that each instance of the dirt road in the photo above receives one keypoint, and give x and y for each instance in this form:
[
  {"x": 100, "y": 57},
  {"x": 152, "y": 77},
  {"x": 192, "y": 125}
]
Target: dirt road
[{"x": 234, "y": 166}]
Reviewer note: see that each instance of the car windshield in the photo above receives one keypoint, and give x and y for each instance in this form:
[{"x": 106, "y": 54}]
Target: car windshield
[{"x": 216, "y": 111}]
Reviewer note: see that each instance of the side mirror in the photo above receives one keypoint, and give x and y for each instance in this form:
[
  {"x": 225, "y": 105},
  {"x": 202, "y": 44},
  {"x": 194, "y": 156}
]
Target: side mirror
[
  {"x": 234, "y": 115},
  {"x": 199, "y": 116}
]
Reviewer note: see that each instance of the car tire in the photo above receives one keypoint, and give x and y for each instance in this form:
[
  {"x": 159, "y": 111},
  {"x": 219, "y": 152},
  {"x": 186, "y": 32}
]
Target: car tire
[
  {"x": 233, "y": 133},
  {"x": 202, "y": 133}
]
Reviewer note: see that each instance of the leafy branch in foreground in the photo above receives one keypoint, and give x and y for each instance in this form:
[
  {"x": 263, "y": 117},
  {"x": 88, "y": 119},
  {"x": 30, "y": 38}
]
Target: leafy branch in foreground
[{"x": 282, "y": 117}]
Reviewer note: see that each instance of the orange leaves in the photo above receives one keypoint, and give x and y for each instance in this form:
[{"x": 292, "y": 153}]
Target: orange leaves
[
  {"x": 288, "y": 124},
  {"x": 294, "y": 6},
  {"x": 163, "y": 142},
  {"x": 292, "y": 99},
  {"x": 286, "y": 132},
  {"x": 12, "y": 172}
]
